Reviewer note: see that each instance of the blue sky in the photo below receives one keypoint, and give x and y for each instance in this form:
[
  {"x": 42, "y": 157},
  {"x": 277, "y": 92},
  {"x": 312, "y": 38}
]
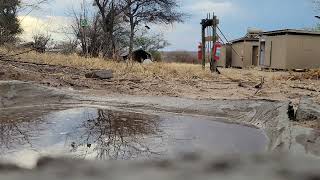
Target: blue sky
[{"x": 235, "y": 17}]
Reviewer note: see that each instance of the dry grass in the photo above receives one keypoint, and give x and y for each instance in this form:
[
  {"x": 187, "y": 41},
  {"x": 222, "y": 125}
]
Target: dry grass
[
  {"x": 313, "y": 74},
  {"x": 122, "y": 70},
  {"x": 166, "y": 71}
]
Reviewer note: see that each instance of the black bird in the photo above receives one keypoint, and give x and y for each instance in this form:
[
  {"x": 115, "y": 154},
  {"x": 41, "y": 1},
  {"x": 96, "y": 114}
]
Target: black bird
[{"x": 317, "y": 17}]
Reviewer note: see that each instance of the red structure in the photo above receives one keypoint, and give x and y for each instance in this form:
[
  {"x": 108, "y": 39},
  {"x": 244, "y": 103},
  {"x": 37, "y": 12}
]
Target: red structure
[
  {"x": 200, "y": 52},
  {"x": 217, "y": 51}
]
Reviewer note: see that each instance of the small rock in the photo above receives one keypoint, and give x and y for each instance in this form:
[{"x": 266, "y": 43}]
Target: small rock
[
  {"x": 101, "y": 74},
  {"x": 2, "y": 73},
  {"x": 147, "y": 61}
]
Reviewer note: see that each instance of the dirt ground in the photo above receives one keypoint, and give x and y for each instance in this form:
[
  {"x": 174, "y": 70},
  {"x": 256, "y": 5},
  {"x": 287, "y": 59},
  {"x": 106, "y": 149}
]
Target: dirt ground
[{"x": 231, "y": 84}]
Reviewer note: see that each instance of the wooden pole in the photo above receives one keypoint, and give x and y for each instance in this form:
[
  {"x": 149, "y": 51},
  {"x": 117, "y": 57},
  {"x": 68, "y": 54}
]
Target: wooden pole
[
  {"x": 203, "y": 36},
  {"x": 213, "y": 63}
]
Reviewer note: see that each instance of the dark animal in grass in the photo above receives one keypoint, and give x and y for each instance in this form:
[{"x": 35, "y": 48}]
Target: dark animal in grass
[{"x": 138, "y": 55}]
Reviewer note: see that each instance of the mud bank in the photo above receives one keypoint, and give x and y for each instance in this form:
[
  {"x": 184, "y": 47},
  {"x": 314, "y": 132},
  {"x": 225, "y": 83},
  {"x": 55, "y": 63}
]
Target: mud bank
[{"x": 21, "y": 101}]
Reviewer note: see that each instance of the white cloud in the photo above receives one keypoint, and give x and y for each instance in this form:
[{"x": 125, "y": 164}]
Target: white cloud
[
  {"x": 53, "y": 25},
  {"x": 207, "y": 6}
]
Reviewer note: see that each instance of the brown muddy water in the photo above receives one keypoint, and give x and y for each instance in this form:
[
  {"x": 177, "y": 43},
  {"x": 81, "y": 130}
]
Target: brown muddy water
[{"x": 102, "y": 134}]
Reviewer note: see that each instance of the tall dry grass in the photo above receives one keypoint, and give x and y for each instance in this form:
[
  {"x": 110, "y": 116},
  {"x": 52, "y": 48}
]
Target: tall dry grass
[{"x": 122, "y": 70}]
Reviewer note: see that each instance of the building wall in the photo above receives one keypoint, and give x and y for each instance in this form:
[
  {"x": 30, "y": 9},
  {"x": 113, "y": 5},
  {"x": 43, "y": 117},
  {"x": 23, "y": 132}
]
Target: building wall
[
  {"x": 244, "y": 49},
  {"x": 248, "y": 53},
  {"x": 225, "y": 58},
  {"x": 275, "y": 52},
  {"x": 236, "y": 60},
  {"x": 303, "y": 52},
  {"x": 292, "y": 52}
]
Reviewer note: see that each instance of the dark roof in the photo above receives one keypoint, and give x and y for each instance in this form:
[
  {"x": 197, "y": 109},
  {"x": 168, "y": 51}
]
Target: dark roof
[{"x": 292, "y": 32}]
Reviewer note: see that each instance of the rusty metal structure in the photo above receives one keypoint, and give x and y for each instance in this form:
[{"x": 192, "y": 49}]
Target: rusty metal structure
[{"x": 209, "y": 37}]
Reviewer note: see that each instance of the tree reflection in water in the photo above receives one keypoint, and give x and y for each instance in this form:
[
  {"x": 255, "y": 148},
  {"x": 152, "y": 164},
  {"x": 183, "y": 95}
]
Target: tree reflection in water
[
  {"x": 115, "y": 135},
  {"x": 18, "y": 129}
]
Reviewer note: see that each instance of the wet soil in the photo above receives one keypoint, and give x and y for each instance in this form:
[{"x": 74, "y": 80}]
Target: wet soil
[{"x": 104, "y": 134}]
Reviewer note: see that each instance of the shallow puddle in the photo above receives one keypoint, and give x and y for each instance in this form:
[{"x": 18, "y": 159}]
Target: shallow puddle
[{"x": 91, "y": 133}]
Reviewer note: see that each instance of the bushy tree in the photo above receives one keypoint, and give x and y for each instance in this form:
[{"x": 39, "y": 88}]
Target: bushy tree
[{"x": 9, "y": 23}]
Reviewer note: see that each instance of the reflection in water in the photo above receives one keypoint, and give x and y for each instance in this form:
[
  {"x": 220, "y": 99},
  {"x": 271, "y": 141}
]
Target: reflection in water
[
  {"x": 18, "y": 129},
  {"x": 115, "y": 135},
  {"x": 104, "y": 134}
]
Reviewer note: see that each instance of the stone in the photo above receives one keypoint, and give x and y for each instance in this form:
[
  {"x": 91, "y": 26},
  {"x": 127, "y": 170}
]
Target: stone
[
  {"x": 308, "y": 110},
  {"x": 101, "y": 74},
  {"x": 2, "y": 73},
  {"x": 147, "y": 61}
]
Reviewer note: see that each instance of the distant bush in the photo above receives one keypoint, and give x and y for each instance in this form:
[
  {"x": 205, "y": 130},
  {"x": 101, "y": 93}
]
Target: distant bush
[
  {"x": 67, "y": 47},
  {"x": 181, "y": 57},
  {"x": 41, "y": 41},
  {"x": 156, "y": 55}
]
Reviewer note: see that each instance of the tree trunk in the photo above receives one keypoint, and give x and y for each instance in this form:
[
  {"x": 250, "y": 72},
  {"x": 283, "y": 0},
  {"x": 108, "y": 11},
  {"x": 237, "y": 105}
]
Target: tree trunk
[{"x": 131, "y": 37}]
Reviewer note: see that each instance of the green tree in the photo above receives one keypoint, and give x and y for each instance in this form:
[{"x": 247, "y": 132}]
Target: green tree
[{"x": 9, "y": 23}]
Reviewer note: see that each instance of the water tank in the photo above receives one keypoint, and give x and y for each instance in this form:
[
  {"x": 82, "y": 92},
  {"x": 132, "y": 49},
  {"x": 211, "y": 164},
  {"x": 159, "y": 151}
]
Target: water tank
[{"x": 254, "y": 31}]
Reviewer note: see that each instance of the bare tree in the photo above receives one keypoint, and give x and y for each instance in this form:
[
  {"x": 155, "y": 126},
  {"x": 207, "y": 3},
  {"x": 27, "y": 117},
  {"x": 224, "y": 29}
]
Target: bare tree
[
  {"x": 109, "y": 11},
  {"x": 317, "y": 4},
  {"x": 150, "y": 42},
  {"x": 138, "y": 12},
  {"x": 115, "y": 135},
  {"x": 89, "y": 36},
  {"x": 28, "y": 6}
]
